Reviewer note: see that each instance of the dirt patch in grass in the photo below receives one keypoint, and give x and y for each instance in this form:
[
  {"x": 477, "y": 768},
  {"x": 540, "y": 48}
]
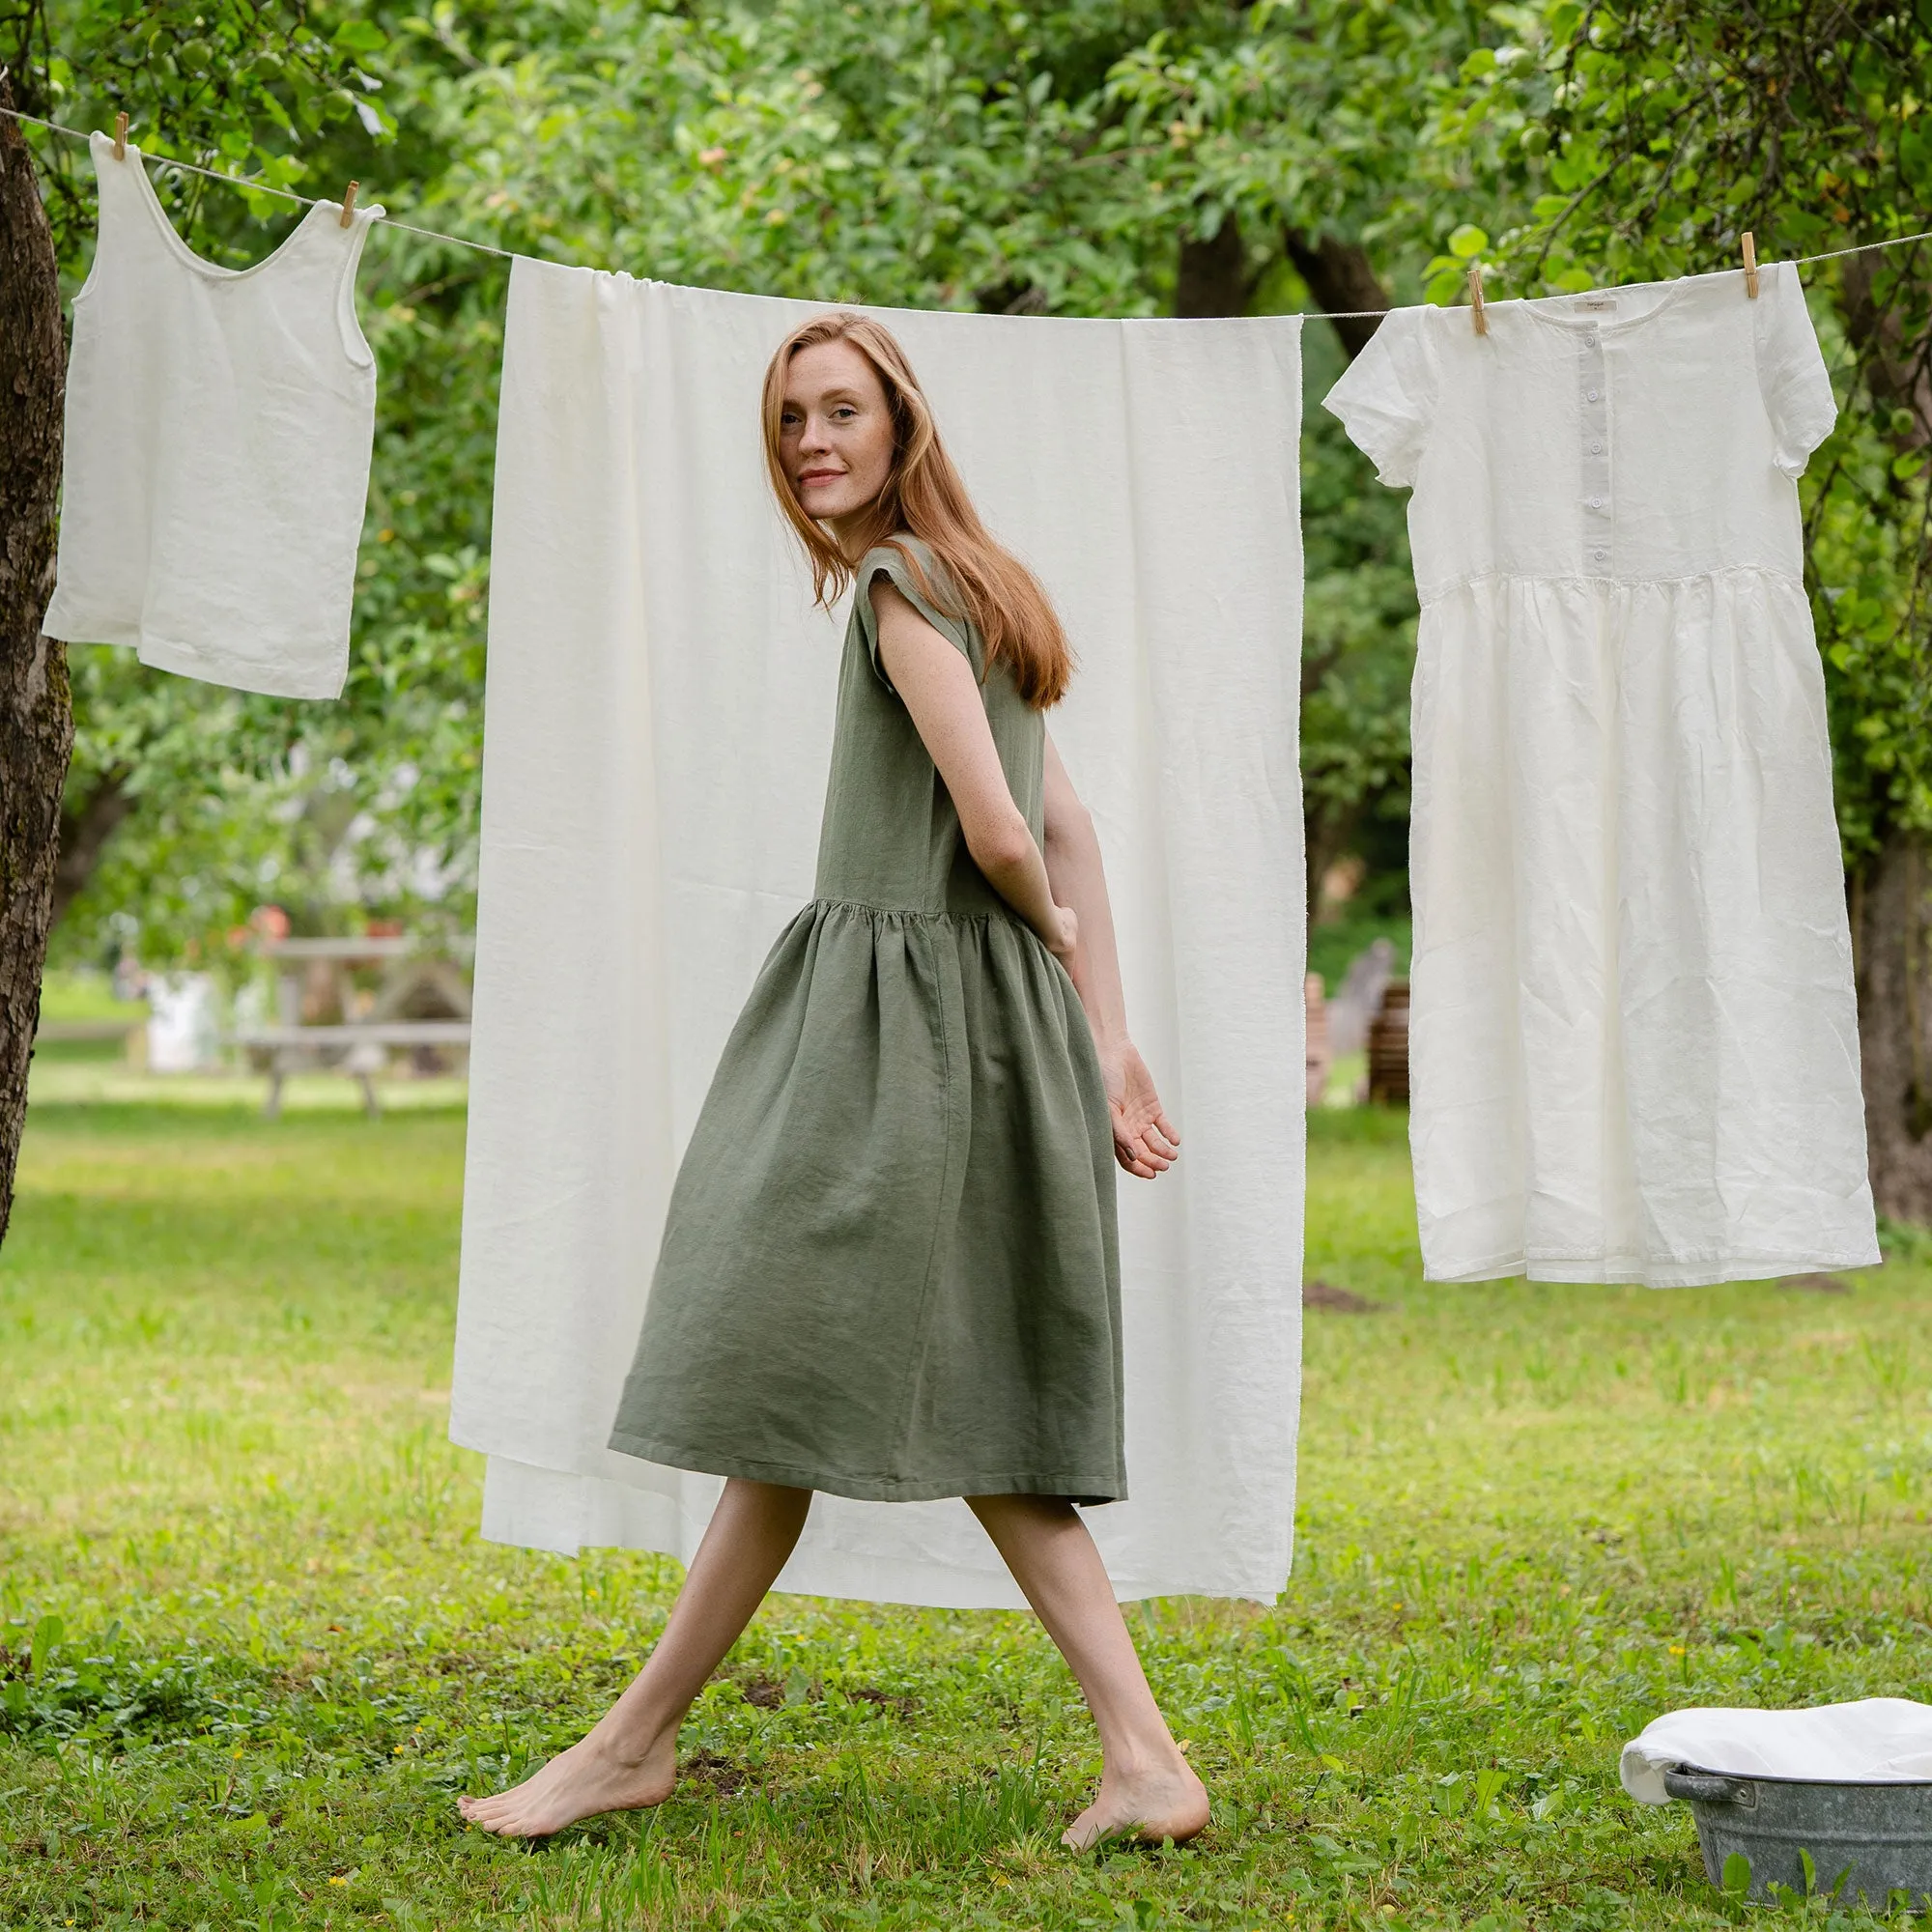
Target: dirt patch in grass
[
  {"x": 722, "y": 1775},
  {"x": 1818, "y": 1284},
  {"x": 1325, "y": 1294}
]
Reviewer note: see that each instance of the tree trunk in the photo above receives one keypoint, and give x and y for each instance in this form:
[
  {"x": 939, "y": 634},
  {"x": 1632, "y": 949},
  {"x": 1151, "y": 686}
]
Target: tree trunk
[
  {"x": 1211, "y": 278},
  {"x": 1340, "y": 276},
  {"x": 35, "y": 712},
  {"x": 1892, "y": 894},
  {"x": 1892, "y": 941},
  {"x": 87, "y": 823}
]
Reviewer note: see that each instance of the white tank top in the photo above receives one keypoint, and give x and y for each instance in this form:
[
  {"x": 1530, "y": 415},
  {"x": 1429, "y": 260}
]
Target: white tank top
[{"x": 218, "y": 426}]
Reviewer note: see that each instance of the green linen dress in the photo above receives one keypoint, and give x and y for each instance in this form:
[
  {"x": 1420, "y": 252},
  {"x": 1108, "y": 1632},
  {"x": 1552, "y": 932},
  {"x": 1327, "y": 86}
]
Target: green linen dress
[{"x": 889, "y": 1268}]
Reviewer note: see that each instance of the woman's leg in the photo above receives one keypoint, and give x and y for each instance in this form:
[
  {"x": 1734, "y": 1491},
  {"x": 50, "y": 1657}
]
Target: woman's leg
[
  {"x": 629, "y": 1758},
  {"x": 1145, "y": 1784}
]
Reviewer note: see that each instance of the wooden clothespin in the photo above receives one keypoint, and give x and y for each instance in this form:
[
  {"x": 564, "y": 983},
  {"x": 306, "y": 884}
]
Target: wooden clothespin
[
  {"x": 120, "y": 137},
  {"x": 1476, "y": 314},
  {"x": 348, "y": 202},
  {"x": 1751, "y": 265}
]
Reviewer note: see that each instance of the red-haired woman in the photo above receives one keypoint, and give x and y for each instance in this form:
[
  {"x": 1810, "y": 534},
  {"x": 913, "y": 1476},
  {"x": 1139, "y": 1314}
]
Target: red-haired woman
[{"x": 889, "y": 1267}]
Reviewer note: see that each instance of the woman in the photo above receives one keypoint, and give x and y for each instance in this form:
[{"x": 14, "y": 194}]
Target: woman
[{"x": 888, "y": 1265}]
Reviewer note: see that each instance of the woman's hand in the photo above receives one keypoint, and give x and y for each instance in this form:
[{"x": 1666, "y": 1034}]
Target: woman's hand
[
  {"x": 1063, "y": 941},
  {"x": 1144, "y": 1142}
]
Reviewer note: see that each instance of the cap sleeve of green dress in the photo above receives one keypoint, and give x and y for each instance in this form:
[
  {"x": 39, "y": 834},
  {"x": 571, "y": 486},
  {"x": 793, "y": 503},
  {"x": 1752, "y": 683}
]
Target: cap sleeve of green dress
[{"x": 928, "y": 585}]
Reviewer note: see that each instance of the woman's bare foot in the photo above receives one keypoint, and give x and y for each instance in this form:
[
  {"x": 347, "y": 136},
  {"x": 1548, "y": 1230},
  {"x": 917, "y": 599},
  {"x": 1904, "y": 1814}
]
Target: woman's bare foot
[
  {"x": 1166, "y": 1801},
  {"x": 596, "y": 1774}
]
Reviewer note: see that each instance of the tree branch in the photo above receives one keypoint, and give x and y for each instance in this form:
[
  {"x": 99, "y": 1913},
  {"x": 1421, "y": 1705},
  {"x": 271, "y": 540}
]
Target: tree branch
[
  {"x": 86, "y": 825},
  {"x": 1340, "y": 276}
]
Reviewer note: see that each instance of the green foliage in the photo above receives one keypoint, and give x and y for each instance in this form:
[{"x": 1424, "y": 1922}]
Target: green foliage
[
  {"x": 231, "y": 85},
  {"x": 118, "y": 1699},
  {"x": 1530, "y": 1519},
  {"x": 895, "y": 153},
  {"x": 1320, "y": 117},
  {"x": 1867, "y": 511},
  {"x": 1358, "y": 635}
]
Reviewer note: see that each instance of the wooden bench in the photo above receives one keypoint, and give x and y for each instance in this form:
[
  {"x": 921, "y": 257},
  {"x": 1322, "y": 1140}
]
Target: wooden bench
[
  {"x": 57, "y": 1033},
  {"x": 293, "y": 1049}
]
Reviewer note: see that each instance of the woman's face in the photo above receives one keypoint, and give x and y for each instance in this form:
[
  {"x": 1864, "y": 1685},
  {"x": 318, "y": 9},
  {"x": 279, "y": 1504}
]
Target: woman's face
[{"x": 836, "y": 431}]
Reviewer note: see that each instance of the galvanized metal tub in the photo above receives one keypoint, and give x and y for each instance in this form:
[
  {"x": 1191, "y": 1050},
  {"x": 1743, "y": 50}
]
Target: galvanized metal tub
[{"x": 1873, "y": 1839}]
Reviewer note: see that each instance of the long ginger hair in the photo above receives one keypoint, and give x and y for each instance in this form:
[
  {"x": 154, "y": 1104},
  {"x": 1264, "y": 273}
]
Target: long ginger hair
[{"x": 923, "y": 494}]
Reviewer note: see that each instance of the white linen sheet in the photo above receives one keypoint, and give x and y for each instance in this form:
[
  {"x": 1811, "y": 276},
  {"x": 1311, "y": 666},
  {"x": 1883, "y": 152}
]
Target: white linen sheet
[
  {"x": 659, "y": 719},
  {"x": 1874, "y": 1741}
]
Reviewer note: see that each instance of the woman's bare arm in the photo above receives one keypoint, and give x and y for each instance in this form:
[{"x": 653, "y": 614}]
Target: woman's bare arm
[
  {"x": 1058, "y": 892},
  {"x": 1144, "y": 1142},
  {"x": 1074, "y": 871},
  {"x": 943, "y": 698}
]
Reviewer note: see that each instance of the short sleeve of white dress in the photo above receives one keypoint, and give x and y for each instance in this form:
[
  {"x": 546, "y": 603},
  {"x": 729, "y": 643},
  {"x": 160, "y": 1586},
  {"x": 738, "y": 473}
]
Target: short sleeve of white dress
[
  {"x": 1791, "y": 374},
  {"x": 1386, "y": 397}
]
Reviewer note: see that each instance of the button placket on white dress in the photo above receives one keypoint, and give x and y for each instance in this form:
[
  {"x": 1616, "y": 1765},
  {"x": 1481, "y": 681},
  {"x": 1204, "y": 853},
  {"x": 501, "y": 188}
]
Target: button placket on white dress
[{"x": 1594, "y": 451}]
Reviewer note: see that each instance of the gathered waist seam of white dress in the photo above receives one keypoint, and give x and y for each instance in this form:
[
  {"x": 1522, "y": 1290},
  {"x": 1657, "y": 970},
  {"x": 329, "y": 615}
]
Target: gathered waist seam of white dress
[{"x": 1602, "y": 580}]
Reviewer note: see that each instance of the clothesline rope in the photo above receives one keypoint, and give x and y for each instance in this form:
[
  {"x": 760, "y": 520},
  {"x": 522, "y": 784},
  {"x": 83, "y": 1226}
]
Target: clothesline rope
[
  {"x": 262, "y": 187},
  {"x": 511, "y": 255}
]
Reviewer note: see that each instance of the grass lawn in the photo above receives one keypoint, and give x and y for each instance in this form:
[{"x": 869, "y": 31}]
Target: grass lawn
[{"x": 254, "y": 1645}]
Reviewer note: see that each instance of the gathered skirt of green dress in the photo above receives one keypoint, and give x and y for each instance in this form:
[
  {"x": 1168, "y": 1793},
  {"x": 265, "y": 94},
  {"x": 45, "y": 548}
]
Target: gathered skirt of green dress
[{"x": 889, "y": 1267}]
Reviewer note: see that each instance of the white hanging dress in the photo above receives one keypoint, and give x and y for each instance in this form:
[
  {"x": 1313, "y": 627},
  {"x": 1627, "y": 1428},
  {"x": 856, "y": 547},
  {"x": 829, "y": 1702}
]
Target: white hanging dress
[
  {"x": 219, "y": 431},
  {"x": 1634, "y": 1042}
]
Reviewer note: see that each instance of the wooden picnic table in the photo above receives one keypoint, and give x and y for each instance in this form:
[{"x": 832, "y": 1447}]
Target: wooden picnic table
[
  {"x": 355, "y": 1047},
  {"x": 296, "y": 1048}
]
